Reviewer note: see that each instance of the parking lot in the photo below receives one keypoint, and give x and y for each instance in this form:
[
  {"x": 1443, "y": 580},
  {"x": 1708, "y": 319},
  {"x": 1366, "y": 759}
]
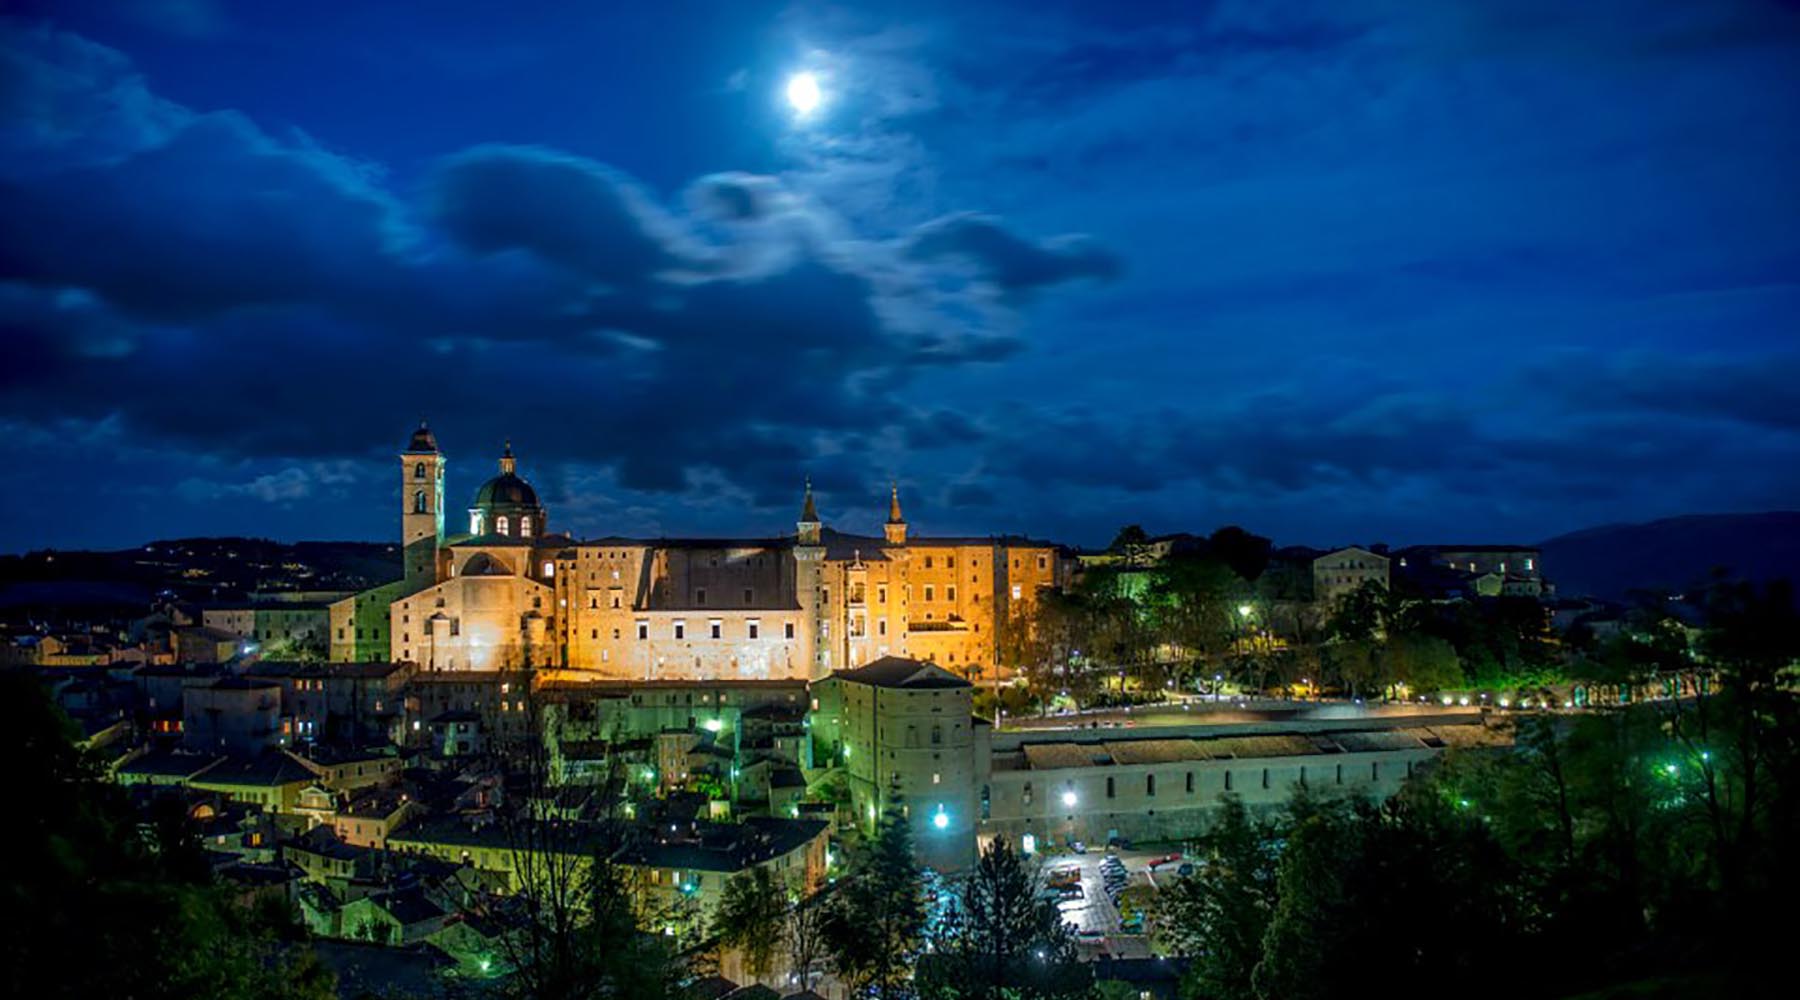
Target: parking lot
[{"x": 1095, "y": 914}]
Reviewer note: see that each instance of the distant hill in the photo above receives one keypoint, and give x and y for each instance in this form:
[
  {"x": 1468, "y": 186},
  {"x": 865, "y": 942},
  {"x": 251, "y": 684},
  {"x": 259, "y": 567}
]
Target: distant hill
[
  {"x": 1674, "y": 554},
  {"x": 193, "y": 569}
]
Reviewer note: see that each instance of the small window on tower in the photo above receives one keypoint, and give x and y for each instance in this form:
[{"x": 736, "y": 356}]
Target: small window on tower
[
  {"x": 418, "y": 501},
  {"x": 474, "y": 522},
  {"x": 500, "y": 524},
  {"x": 525, "y": 526},
  {"x": 419, "y": 470}
]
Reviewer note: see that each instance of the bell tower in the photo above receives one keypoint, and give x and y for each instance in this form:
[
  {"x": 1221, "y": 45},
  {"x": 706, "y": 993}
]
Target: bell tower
[{"x": 422, "y": 506}]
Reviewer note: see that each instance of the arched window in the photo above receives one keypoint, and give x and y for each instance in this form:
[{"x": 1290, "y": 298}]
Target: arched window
[
  {"x": 500, "y": 524},
  {"x": 525, "y": 526},
  {"x": 419, "y": 470},
  {"x": 418, "y": 501},
  {"x": 474, "y": 522}
]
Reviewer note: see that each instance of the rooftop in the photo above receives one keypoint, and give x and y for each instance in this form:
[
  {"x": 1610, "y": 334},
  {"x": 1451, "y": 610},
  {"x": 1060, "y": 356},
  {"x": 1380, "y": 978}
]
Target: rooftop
[{"x": 898, "y": 672}]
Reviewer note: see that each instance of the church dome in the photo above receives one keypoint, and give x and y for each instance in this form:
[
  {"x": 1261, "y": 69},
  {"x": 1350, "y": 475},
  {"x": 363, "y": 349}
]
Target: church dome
[{"x": 506, "y": 490}]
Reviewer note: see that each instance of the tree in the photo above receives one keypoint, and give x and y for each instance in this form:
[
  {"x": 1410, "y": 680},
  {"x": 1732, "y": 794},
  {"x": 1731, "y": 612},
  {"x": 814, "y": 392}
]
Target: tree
[
  {"x": 1245, "y": 553},
  {"x": 1132, "y": 544},
  {"x": 879, "y": 914},
  {"x": 999, "y": 939},
  {"x": 752, "y": 918},
  {"x": 1220, "y": 914},
  {"x": 107, "y": 911},
  {"x": 807, "y": 939},
  {"x": 1421, "y": 662}
]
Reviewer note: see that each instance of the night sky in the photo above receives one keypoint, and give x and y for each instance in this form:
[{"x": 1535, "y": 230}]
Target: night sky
[{"x": 1348, "y": 271}]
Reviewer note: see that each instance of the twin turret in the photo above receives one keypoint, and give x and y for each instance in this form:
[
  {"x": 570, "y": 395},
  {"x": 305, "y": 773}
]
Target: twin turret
[{"x": 809, "y": 529}]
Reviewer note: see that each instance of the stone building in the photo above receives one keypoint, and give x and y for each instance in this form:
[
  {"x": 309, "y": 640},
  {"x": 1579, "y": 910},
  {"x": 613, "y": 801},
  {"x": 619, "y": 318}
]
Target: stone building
[
  {"x": 1347, "y": 571},
  {"x": 510, "y": 594},
  {"x": 905, "y": 735}
]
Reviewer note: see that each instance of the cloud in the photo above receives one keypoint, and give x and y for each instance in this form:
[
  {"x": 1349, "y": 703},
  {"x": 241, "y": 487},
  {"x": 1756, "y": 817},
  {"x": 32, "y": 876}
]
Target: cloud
[
  {"x": 285, "y": 302},
  {"x": 1011, "y": 264}
]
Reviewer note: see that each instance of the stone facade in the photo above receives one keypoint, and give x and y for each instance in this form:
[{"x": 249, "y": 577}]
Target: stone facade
[
  {"x": 1345, "y": 572},
  {"x": 510, "y": 595}
]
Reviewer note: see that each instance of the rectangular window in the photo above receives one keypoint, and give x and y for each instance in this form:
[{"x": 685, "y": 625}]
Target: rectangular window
[
  {"x": 1228, "y": 781},
  {"x": 789, "y": 630},
  {"x": 927, "y": 562},
  {"x": 700, "y": 595},
  {"x": 754, "y": 628},
  {"x": 749, "y": 597},
  {"x": 1043, "y": 562},
  {"x": 949, "y": 593},
  {"x": 929, "y": 591},
  {"x": 681, "y": 630},
  {"x": 1018, "y": 592},
  {"x": 1149, "y": 784},
  {"x": 881, "y": 595},
  {"x": 881, "y": 626},
  {"x": 1190, "y": 782},
  {"x": 715, "y": 628},
  {"x": 950, "y": 562},
  {"x": 643, "y": 630}
]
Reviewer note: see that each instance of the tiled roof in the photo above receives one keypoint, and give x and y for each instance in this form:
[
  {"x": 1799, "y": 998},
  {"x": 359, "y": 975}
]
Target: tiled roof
[{"x": 899, "y": 672}]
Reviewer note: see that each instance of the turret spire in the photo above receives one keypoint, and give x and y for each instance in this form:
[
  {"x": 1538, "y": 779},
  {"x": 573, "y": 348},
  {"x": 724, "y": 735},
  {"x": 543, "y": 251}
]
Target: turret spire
[
  {"x": 894, "y": 505},
  {"x": 808, "y": 512},
  {"x": 809, "y": 528},
  {"x": 506, "y": 459}
]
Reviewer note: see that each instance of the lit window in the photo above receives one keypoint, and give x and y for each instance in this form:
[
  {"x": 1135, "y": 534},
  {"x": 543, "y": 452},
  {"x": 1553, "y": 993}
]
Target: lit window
[
  {"x": 500, "y": 524},
  {"x": 549, "y": 567},
  {"x": 525, "y": 526},
  {"x": 1017, "y": 592}
]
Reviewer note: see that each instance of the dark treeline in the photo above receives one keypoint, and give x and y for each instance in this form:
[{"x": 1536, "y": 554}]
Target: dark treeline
[
  {"x": 1649, "y": 847},
  {"x": 102, "y": 899}
]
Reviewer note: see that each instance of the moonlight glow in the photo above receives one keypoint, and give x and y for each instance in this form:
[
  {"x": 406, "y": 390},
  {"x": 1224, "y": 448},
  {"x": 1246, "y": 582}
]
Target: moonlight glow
[{"x": 803, "y": 93}]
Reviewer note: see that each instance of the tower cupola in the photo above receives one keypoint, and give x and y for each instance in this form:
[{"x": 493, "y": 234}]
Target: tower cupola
[{"x": 895, "y": 528}]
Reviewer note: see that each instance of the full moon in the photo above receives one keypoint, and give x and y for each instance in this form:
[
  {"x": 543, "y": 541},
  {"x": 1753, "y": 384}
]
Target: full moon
[{"x": 803, "y": 92}]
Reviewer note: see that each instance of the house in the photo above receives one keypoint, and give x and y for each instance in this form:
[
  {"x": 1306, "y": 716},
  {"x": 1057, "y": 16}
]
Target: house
[
  {"x": 272, "y": 780},
  {"x": 368, "y": 818}
]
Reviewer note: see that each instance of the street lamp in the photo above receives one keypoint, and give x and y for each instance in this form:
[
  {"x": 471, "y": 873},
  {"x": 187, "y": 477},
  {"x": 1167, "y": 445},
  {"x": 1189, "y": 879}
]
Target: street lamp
[{"x": 1069, "y": 799}]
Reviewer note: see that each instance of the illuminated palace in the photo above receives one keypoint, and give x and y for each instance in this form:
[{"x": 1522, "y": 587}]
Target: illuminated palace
[{"x": 510, "y": 594}]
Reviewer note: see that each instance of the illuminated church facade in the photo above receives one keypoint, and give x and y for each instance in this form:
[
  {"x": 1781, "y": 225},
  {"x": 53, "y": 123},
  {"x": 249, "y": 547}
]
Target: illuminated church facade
[{"x": 507, "y": 593}]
